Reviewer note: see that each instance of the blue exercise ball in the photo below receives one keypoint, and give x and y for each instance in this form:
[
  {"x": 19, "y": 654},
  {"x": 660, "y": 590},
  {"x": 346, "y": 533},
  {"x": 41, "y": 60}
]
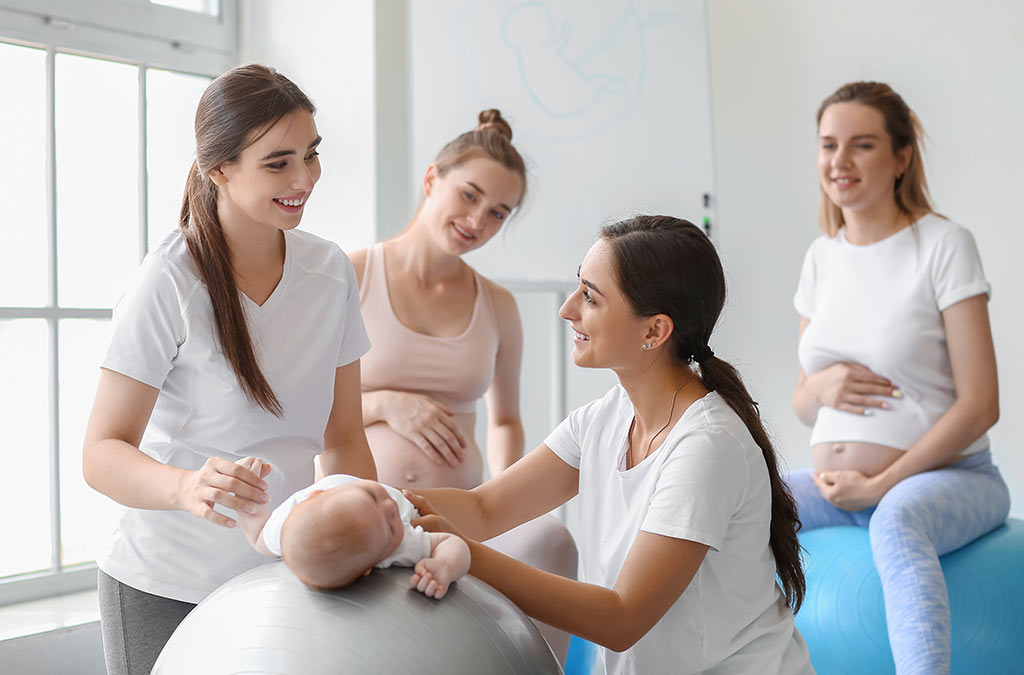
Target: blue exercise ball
[
  {"x": 843, "y": 615},
  {"x": 266, "y": 621}
]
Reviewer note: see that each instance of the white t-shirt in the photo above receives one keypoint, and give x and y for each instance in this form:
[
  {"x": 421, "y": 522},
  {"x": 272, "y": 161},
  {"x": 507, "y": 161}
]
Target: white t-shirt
[
  {"x": 707, "y": 483},
  {"x": 415, "y": 545},
  {"x": 165, "y": 336},
  {"x": 881, "y": 305}
]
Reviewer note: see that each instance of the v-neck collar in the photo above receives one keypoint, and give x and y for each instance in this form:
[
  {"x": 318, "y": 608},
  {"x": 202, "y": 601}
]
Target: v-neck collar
[{"x": 258, "y": 310}]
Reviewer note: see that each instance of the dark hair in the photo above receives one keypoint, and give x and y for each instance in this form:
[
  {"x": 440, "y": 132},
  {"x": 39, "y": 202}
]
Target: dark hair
[
  {"x": 904, "y": 129},
  {"x": 242, "y": 101},
  {"x": 491, "y": 138},
  {"x": 666, "y": 265}
]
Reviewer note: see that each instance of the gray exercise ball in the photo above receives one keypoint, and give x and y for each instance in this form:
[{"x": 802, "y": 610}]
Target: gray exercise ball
[{"x": 266, "y": 621}]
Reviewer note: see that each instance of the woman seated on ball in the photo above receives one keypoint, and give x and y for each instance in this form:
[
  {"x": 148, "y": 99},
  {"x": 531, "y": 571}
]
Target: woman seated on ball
[
  {"x": 341, "y": 527},
  {"x": 443, "y": 336},
  {"x": 688, "y": 523},
  {"x": 898, "y": 371}
]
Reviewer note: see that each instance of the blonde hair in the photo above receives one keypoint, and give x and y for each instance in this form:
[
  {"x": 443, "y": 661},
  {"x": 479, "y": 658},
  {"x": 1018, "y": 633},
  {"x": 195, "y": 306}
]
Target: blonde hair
[{"x": 905, "y": 131}]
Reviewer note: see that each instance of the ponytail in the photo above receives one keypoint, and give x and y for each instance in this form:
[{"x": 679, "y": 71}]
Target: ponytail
[
  {"x": 201, "y": 230},
  {"x": 244, "y": 101},
  {"x": 666, "y": 265},
  {"x": 719, "y": 376}
]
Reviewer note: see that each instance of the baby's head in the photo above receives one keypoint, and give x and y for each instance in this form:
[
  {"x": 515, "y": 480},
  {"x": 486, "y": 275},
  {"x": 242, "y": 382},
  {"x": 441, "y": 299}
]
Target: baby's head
[{"x": 336, "y": 535}]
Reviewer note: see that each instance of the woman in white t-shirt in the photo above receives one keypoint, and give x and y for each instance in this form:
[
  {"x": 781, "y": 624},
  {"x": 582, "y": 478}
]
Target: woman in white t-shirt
[
  {"x": 241, "y": 337},
  {"x": 686, "y": 522},
  {"x": 898, "y": 371}
]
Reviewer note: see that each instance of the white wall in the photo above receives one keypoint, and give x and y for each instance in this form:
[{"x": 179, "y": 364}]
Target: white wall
[
  {"x": 960, "y": 66},
  {"x": 328, "y": 49}
]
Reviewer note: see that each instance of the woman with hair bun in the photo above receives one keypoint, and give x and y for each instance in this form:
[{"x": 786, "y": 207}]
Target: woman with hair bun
[
  {"x": 688, "y": 523},
  {"x": 443, "y": 336},
  {"x": 897, "y": 368}
]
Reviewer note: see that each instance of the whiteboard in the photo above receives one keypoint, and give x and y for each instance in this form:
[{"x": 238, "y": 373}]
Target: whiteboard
[{"x": 608, "y": 101}]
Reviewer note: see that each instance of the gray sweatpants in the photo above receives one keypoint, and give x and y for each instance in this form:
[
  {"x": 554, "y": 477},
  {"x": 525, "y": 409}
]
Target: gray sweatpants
[{"x": 135, "y": 625}]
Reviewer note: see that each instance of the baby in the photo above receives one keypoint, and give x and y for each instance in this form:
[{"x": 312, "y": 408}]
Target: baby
[{"x": 341, "y": 527}]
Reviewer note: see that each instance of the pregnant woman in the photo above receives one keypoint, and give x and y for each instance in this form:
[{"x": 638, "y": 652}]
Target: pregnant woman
[
  {"x": 898, "y": 371},
  {"x": 443, "y": 336}
]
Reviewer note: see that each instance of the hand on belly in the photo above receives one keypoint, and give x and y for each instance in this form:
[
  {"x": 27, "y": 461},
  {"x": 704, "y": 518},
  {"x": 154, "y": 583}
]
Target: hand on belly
[
  {"x": 868, "y": 458},
  {"x": 403, "y": 465}
]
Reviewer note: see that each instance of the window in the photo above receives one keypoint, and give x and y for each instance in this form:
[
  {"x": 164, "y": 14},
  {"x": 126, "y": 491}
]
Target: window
[{"x": 89, "y": 187}]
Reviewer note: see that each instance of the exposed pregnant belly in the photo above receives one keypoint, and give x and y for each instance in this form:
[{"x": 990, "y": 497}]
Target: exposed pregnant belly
[
  {"x": 868, "y": 458},
  {"x": 403, "y": 465}
]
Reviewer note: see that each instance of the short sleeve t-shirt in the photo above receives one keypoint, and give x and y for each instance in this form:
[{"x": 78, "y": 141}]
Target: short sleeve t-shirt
[
  {"x": 164, "y": 336},
  {"x": 881, "y": 305},
  {"x": 707, "y": 483},
  {"x": 415, "y": 544}
]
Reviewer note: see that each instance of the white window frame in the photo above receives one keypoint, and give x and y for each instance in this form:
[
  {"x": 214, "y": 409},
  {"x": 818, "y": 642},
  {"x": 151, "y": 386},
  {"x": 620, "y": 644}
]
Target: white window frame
[{"x": 171, "y": 39}]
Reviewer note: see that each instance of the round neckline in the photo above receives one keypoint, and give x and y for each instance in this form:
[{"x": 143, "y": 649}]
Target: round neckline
[
  {"x": 887, "y": 238},
  {"x": 624, "y": 445}
]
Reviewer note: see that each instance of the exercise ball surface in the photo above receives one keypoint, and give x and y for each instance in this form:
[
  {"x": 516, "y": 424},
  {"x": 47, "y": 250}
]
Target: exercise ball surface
[
  {"x": 843, "y": 615},
  {"x": 266, "y": 621}
]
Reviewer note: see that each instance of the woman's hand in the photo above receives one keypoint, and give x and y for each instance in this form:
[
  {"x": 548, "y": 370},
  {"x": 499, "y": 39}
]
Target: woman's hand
[
  {"x": 429, "y": 519},
  {"x": 221, "y": 482},
  {"x": 850, "y": 490},
  {"x": 426, "y": 423},
  {"x": 851, "y": 387}
]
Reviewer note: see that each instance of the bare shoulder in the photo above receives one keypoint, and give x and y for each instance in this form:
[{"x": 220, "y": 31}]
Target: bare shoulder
[
  {"x": 504, "y": 302},
  {"x": 358, "y": 259}
]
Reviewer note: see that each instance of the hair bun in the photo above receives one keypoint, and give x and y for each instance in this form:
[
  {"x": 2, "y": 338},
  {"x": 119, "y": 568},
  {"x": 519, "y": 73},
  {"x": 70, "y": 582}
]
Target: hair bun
[{"x": 492, "y": 119}]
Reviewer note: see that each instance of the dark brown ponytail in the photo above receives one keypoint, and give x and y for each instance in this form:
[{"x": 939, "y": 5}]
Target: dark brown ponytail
[
  {"x": 234, "y": 111},
  {"x": 666, "y": 265}
]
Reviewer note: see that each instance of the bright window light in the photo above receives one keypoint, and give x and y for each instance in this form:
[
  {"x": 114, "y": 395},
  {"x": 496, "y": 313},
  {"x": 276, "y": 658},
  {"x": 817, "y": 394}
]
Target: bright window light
[
  {"x": 23, "y": 260},
  {"x": 97, "y": 179},
  {"x": 24, "y": 445},
  {"x": 171, "y": 102},
  {"x": 211, "y": 7}
]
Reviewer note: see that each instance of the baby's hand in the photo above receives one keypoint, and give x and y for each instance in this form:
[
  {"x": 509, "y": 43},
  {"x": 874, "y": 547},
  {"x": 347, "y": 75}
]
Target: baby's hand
[
  {"x": 432, "y": 577},
  {"x": 253, "y": 520},
  {"x": 256, "y": 465}
]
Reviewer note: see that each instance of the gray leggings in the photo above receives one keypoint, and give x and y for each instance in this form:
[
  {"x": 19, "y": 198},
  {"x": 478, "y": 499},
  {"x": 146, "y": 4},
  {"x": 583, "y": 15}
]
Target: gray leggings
[{"x": 136, "y": 625}]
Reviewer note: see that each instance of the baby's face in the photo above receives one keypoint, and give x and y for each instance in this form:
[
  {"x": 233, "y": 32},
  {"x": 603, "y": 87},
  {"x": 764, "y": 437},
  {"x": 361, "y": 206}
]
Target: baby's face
[{"x": 368, "y": 501}]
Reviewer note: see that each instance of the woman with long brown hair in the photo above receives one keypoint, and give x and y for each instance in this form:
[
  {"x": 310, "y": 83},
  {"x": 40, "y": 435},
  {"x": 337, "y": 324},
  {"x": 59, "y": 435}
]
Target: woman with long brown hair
[
  {"x": 897, "y": 368},
  {"x": 688, "y": 522},
  {"x": 241, "y": 337}
]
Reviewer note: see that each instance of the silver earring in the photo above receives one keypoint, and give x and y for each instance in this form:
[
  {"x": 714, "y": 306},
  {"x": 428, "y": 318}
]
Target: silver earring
[{"x": 646, "y": 346}]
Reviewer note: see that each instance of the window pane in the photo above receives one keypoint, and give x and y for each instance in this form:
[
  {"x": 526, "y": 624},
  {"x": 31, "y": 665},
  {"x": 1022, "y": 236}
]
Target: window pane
[
  {"x": 23, "y": 265},
  {"x": 171, "y": 101},
  {"x": 86, "y": 515},
  {"x": 211, "y": 7},
  {"x": 24, "y": 445},
  {"x": 97, "y": 180}
]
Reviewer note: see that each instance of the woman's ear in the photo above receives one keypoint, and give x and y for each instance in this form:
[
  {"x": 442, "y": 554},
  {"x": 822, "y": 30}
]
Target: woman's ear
[
  {"x": 429, "y": 179},
  {"x": 903, "y": 156},
  {"x": 216, "y": 174},
  {"x": 659, "y": 329}
]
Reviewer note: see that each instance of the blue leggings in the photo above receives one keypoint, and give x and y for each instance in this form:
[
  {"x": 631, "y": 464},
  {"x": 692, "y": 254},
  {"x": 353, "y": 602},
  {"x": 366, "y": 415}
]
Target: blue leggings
[{"x": 925, "y": 516}]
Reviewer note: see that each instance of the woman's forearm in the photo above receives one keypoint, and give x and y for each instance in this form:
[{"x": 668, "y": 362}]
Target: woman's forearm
[
  {"x": 504, "y": 445},
  {"x": 463, "y": 508},
  {"x": 960, "y": 426},
  {"x": 805, "y": 404},
  {"x": 129, "y": 476},
  {"x": 595, "y": 613},
  {"x": 374, "y": 406}
]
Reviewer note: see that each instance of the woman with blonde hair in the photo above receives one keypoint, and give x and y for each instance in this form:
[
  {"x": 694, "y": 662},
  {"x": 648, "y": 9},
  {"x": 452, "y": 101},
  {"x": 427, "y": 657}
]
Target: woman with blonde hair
[{"x": 897, "y": 368}]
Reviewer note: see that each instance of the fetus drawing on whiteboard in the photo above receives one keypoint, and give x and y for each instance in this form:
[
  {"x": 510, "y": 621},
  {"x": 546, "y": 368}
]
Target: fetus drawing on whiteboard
[{"x": 561, "y": 84}]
